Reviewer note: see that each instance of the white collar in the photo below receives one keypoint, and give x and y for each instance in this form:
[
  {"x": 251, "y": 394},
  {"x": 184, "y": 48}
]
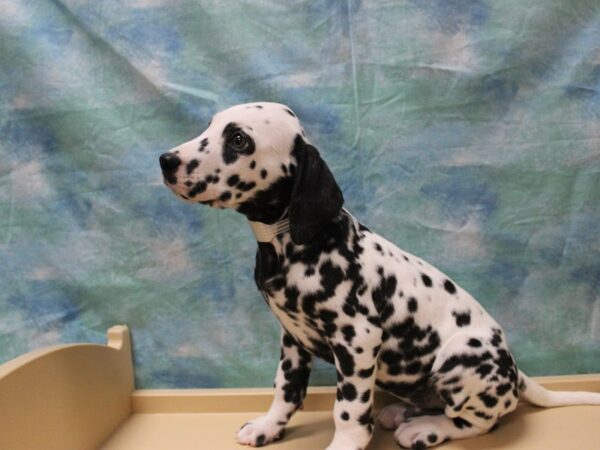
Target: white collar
[{"x": 266, "y": 233}]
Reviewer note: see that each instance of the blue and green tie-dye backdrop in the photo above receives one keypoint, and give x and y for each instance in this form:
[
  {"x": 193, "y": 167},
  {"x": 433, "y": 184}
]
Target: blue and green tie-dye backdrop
[{"x": 465, "y": 131}]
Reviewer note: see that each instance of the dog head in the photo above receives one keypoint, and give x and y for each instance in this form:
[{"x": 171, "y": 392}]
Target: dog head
[{"x": 255, "y": 158}]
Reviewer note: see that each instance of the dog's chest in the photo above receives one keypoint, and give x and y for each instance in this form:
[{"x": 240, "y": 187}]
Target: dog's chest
[
  {"x": 306, "y": 309},
  {"x": 306, "y": 288}
]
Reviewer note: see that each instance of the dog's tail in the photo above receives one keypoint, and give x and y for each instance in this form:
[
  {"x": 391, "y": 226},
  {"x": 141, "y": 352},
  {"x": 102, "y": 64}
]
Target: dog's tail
[{"x": 538, "y": 395}]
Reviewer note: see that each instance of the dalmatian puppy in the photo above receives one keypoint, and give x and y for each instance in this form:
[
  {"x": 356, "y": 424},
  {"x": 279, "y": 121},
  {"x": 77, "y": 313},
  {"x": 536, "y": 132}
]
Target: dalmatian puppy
[{"x": 343, "y": 293}]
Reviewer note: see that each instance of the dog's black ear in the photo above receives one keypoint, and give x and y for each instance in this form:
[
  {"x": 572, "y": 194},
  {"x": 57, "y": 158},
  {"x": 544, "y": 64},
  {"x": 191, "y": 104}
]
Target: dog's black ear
[{"x": 316, "y": 197}]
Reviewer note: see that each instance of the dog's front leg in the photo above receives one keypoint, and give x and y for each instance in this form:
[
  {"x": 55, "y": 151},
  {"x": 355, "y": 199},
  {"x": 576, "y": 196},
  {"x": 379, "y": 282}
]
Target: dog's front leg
[
  {"x": 356, "y": 364},
  {"x": 290, "y": 388}
]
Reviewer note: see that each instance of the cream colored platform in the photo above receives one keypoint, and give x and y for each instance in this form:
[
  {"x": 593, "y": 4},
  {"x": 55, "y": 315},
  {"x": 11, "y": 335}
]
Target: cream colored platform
[{"x": 78, "y": 397}]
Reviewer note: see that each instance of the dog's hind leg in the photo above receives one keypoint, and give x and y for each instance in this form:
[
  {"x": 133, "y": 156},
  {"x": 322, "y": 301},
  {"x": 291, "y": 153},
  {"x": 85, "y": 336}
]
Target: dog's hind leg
[{"x": 476, "y": 377}]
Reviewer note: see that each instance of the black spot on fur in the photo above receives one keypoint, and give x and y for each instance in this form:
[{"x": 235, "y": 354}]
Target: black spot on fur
[
  {"x": 488, "y": 400},
  {"x": 290, "y": 112},
  {"x": 483, "y": 415},
  {"x": 474, "y": 343},
  {"x": 345, "y": 359},
  {"x": 296, "y": 379},
  {"x": 192, "y": 166},
  {"x": 496, "y": 338},
  {"x": 414, "y": 341},
  {"x": 464, "y": 360},
  {"x": 327, "y": 315},
  {"x": 225, "y": 196},
  {"x": 263, "y": 173},
  {"x": 364, "y": 398},
  {"x": 462, "y": 319},
  {"x": 503, "y": 389},
  {"x": 345, "y": 416},
  {"x": 484, "y": 370},
  {"x": 449, "y": 286},
  {"x": 385, "y": 314},
  {"x": 426, "y": 280},
  {"x": 233, "y": 180},
  {"x": 432, "y": 438},
  {"x": 384, "y": 292},
  {"x": 331, "y": 276},
  {"x": 506, "y": 366},
  {"x": 203, "y": 144},
  {"x": 348, "y": 392},
  {"x": 291, "y": 298},
  {"x": 243, "y": 186},
  {"x": 461, "y": 423},
  {"x": 366, "y": 373},
  {"x": 198, "y": 188},
  {"x": 412, "y": 305},
  {"x": 348, "y": 332},
  {"x": 365, "y": 418},
  {"x": 452, "y": 380},
  {"x": 252, "y": 164}
]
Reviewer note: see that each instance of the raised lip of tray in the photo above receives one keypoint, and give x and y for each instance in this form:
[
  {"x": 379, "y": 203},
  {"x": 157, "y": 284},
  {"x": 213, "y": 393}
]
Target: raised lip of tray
[{"x": 319, "y": 398}]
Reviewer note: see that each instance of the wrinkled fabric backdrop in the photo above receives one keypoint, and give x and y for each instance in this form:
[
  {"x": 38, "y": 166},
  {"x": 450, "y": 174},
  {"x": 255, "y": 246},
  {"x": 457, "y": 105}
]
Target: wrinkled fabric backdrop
[{"x": 465, "y": 131}]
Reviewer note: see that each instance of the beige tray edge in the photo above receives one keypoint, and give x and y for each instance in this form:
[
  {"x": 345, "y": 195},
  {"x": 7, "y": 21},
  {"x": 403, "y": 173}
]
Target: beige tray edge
[{"x": 318, "y": 398}]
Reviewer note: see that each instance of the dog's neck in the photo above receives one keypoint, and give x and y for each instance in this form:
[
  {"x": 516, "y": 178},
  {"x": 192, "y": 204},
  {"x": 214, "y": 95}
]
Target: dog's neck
[
  {"x": 268, "y": 232},
  {"x": 268, "y": 206}
]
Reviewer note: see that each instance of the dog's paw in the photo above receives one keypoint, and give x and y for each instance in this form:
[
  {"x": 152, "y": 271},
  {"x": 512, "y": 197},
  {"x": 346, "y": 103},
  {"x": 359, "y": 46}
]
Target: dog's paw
[
  {"x": 418, "y": 434},
  {"x": 390, "y": 417},
  {"x": 345, "y": 441},
  {"x": 259, "y": 432}
]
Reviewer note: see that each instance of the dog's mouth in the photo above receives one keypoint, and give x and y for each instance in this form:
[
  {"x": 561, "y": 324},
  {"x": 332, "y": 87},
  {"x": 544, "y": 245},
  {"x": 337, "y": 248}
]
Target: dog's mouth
[{"x": 190, "y": 194}]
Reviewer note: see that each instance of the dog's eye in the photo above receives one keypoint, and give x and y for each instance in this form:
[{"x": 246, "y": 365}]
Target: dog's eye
[{"x": 238, "y": 140}]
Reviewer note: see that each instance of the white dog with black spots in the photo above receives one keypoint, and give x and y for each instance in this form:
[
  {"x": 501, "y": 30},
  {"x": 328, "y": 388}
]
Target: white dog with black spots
[{"x": 345, "y": 294}]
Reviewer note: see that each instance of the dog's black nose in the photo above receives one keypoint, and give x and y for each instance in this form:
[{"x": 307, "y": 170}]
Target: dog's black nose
[{"x": 169, "y": 162}]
